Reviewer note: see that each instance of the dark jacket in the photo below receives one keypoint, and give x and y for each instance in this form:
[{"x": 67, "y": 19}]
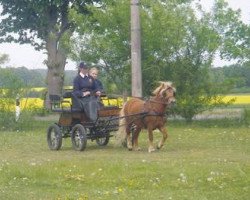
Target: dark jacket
[
  {"x": 81, "y": 85},
  {"x": 99, "y": 85}
]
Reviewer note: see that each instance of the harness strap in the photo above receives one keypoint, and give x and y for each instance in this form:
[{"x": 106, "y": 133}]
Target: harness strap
[{"x": 149, "y": 112}]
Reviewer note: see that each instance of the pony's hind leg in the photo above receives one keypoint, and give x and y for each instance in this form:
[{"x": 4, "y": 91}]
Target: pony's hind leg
[
  {"x": 135, "y": 139},
  {"x": 164, "y": 137},
  {"x": 129, "y": 139}
]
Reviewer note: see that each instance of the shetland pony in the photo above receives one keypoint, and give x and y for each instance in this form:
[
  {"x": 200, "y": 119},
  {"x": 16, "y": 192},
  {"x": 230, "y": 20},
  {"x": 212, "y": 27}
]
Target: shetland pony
[{"x": 137, "y": 114}]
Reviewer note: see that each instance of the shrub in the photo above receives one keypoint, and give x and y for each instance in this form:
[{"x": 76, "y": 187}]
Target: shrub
[{"x": 8, "y": 121}]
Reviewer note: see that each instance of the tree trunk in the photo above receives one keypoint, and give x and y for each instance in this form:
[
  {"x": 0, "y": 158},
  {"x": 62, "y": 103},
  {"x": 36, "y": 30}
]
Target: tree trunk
[
  {"x": 136, "y": 49},
  {"x": 55, "y": 74}
]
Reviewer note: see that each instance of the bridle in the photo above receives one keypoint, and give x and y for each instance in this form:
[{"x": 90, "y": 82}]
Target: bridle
[
  {"x": 153, "y": 111},
  {"x": 163, "y": 101}
]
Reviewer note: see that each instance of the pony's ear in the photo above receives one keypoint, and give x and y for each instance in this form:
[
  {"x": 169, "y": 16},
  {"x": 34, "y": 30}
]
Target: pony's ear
[
  {"x": 173, "y": 85},
  {"x": 164, "y": 93}
]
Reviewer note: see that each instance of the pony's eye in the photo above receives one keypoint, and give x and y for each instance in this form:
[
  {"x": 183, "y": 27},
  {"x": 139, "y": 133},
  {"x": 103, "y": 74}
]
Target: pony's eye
[{"x": 164, "y": 94}]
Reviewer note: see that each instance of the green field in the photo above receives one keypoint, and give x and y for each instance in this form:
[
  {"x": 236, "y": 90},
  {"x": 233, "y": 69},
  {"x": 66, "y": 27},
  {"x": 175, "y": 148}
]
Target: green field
[{"x": 196, "y": 163}]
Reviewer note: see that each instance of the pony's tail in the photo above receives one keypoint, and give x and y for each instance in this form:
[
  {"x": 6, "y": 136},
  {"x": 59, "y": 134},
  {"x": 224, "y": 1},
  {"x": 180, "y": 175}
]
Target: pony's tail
[{"x": 121, "y": 133}]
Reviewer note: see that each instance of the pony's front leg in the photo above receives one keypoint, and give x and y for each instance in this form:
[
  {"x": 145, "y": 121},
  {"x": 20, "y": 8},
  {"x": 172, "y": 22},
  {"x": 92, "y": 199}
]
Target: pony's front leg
[
  {"x": 150, "y": 141},
  {"x": 164, "y": 137},
  {"x": 135, "y": 140}
]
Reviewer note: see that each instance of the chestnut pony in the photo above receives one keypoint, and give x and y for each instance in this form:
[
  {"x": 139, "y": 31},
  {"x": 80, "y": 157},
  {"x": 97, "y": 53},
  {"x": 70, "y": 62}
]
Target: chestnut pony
[{"x": 137, "y": 114}]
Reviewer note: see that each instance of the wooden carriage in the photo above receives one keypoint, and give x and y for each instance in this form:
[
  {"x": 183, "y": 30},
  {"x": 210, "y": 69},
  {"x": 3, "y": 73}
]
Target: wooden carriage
[{"x": 75, "y": 124}]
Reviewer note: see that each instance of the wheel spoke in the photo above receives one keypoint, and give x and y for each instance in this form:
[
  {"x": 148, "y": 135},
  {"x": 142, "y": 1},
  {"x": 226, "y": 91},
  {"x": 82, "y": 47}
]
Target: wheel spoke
[
  {"x": 54, "y": 137},
  {"x": 78, "y": 137}
]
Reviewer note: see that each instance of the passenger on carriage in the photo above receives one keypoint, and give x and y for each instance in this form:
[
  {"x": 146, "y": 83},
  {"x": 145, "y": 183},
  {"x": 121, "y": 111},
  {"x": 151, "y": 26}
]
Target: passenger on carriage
[
  {"x": 87, "y": 91},
  {"x": 94, "y": 73}
]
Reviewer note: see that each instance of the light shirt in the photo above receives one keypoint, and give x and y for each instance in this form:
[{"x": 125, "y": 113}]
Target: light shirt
[{"x": 83, "y": 75}]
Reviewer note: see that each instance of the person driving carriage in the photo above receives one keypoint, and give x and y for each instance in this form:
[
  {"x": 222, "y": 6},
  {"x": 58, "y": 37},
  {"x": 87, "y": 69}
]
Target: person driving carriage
[{"x": 86, "y": 89}]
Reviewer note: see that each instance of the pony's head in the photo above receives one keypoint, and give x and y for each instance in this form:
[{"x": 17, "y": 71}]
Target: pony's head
[{"x": 166, "y": 91}]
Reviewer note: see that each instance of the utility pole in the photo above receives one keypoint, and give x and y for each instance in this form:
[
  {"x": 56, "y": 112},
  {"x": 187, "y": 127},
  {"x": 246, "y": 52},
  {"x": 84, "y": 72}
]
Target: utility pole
[{"x": 136, "y": 49}]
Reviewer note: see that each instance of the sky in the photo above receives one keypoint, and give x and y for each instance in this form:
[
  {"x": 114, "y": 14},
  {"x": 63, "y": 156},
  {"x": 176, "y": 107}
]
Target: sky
[{"x": 25, "y": 55}]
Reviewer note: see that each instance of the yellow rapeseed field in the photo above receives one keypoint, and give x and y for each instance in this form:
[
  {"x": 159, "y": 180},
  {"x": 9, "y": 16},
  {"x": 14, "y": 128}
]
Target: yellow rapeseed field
[
  {"x": 37, "y": 103},
  {"x": 31, "y": 103},
  {"x": 239, "y": 99}
]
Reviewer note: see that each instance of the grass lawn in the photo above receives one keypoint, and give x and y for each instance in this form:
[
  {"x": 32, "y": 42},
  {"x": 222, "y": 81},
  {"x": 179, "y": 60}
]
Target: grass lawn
[{"x": 197, "y": 163}]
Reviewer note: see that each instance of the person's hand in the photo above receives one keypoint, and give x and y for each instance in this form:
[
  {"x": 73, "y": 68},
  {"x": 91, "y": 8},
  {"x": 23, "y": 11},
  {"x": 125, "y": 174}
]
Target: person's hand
[
  {"x": 98, "y": 93},
  {"x": 87, "y": 93}
]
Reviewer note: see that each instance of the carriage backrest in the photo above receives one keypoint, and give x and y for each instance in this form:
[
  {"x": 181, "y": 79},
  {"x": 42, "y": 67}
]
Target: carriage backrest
[
  {"x": 55, "y": 101},
  {"x": 60, "y": 103}
]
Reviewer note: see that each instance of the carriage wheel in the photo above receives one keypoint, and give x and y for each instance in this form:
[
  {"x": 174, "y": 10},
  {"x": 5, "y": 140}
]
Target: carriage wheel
[
  {"x": 79, "y": 137},
  {"x": 103, "y": 141},
  {"x": 54, "y": 137}
]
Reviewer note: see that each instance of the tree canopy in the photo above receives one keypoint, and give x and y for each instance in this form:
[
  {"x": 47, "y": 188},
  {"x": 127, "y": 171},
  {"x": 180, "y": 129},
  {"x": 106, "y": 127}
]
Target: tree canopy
[
  {"x": 44, "y": 24},
  {"x": 179, "y": 42},
  {"x": 177, "y": 45}
]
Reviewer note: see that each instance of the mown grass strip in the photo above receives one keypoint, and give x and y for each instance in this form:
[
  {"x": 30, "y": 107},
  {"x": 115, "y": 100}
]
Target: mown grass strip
[{"x": 196, "y": 163}]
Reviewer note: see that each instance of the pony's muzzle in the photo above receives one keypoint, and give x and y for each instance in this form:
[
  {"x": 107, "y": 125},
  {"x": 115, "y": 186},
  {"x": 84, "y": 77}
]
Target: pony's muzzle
[{"x": 172, "y": 103}]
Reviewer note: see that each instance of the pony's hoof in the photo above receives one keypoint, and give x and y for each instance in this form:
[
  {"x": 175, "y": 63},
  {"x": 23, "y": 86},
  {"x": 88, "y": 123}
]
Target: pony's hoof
[
  {"x": 130, "y": 149},
  {"x": 138, "y": 149},
  {"x": 151, "y": 150},
  {"x": 159, "y": 147}
]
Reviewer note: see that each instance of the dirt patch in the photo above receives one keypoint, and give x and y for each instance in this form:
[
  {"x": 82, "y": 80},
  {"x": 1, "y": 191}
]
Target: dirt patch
[
  {"x": 218, "y": 113},
  {"x": 221, "y": 113}
]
